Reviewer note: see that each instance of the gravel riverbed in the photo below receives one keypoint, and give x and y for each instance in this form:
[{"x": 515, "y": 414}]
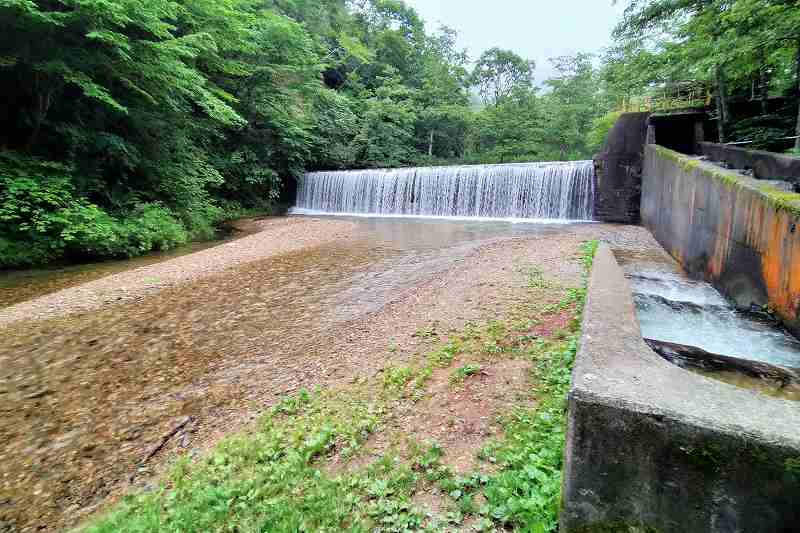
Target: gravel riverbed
[
  {"x": 94, "y": 377},
  {"x": 272, "y": 236}
]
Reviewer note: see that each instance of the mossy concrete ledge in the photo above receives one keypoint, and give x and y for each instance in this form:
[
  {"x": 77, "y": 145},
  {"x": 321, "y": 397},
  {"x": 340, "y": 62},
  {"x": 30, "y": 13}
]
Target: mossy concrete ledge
[
  {"x": 652, "y": 447},
  {"x": 739, "y": 233}
]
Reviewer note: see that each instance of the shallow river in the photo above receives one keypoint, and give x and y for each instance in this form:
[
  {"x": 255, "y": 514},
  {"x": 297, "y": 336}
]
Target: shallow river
[{"x": 85, "y": 395}]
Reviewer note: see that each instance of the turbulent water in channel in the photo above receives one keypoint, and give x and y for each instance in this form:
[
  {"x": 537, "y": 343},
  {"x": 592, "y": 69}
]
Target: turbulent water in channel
[
  {"x": 675, "y": 309},
  {"x": 531, "y": 191},
  {"x": 683, "y": 311}
]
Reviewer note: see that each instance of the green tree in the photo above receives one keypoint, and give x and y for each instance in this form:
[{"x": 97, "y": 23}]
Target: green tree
[
  {"x": 571, "y": 106},
  {"x": 743, "y": 48},
  {"x": 386, "y": 134},
  {"x": 510, "y": 131},
  {"x": 499, "y": 73}
]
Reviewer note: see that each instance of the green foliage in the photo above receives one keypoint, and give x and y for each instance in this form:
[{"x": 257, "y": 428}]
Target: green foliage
[
  {"x": 282, "y": 476},
  {"x": 152, "y": 227},
  {"x": 269, "y": 479},
  {"x": 511, "y": 131},
  {"x": 527, "y": 490},
  {"x": 272, "y": 479},
  {"x": 443, "y": 356},
  {"x": 463, "y": 372},
  {"x": 571, "y": 107},
  {"x": 397, "y": 378},
  {"x": 742, "y": 50},
  {"x": 499, "y": 73},
  {"x": 174, "y": 115},
  {"x": 596, "y": 136},
  {"x": 766, "y": 132},
  {"x": 792, "y": 465},
  {"x": 43, "y": 219}
]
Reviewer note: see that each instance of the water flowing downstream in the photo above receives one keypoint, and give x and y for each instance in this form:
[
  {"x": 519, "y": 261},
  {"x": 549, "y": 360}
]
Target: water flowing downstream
[{"x": 532, "y": 191}]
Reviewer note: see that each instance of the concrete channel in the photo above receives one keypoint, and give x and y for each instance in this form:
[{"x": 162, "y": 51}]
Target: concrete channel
[{"x": 652, "y": 447}]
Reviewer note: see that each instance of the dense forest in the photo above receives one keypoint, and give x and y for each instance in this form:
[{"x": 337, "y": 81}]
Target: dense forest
[{"x": 133, "y": 125}]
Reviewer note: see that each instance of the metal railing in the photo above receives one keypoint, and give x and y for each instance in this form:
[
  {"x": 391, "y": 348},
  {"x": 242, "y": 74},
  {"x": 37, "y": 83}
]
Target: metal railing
[{"x": 685, "y": 95}]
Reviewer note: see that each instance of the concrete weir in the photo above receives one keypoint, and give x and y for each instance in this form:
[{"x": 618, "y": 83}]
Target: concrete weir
[{"x": 654, "y": 448}]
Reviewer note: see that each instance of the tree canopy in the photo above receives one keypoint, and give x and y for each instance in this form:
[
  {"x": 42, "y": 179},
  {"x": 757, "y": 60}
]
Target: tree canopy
[{"x": 499, "y": 73}]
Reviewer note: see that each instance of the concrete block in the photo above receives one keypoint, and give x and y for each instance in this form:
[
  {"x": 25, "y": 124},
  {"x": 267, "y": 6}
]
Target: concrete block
[{"x": 654, "y": 448}]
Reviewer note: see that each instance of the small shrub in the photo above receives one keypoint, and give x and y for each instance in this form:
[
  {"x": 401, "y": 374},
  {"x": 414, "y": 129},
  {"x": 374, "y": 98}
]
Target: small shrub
[
  {"x": 443, "y": 357},
  {"x": 43, "y": 219},
  {"x": 396, "y": 378},
  {"x": 601, "y": 126},
  {"x": 151, "y": 227}
]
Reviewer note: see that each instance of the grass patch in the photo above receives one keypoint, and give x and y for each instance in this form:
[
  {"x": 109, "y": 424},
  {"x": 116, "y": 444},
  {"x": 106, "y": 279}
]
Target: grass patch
[
  {"x": 526, "y": 491},
  {"x": 269, "y": 479},
  {"x": 396, "y": 378},
  {"x": 443, "y": 356}
]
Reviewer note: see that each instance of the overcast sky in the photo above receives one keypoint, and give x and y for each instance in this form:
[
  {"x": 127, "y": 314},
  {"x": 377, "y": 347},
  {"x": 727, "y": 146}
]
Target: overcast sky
[{"x": 534, "y": 29}]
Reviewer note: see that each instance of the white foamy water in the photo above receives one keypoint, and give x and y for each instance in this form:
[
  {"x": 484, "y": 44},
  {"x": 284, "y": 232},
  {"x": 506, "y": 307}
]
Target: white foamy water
[
  {"x": 676, "y": 287},
  {"x": 682, "y": 311},
  {"x": 542, "y": 192}
]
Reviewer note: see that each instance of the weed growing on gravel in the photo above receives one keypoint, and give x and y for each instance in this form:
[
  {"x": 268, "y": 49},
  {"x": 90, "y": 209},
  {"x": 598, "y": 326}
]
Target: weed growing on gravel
[
  {"x": 525, "y": 493},
  {"x": 535, "y": 276},
  {"x": 272, "y": 480},
  {"x": 443, "y": 357},
  {"x": 462, "y": 373},
  {"x": 396, "y": 378},
  {"x": 428, "y": 332}
]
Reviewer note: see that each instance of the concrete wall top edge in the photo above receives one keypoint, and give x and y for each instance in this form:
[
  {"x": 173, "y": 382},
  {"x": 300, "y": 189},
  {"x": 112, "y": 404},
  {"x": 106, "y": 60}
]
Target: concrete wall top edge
[
  {"x": 615, "y": 367},
  {"x": 780, "y": 200}
]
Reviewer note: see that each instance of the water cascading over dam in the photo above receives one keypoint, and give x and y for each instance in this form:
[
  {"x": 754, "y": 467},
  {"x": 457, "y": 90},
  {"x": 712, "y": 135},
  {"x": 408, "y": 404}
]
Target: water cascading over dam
[{"x": 530, "y": 191}]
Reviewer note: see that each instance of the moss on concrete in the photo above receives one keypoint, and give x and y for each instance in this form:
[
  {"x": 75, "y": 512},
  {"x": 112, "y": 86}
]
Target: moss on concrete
[
  {"x": 617, "y": 527},
  {"x": 779, "y": 200}
]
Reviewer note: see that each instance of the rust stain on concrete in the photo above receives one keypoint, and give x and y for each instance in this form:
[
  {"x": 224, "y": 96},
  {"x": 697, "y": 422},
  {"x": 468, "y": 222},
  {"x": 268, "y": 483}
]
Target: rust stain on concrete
[
  {"x": 727, "y": 230},
  {"x": 781, "y": 265}
]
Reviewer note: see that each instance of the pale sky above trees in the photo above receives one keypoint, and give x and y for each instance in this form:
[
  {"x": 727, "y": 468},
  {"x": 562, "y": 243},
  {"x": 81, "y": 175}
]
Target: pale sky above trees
[{"x": 534, "y": 29}]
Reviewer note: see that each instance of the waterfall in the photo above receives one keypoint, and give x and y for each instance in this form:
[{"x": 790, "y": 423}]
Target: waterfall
[{"x": 538, "y": 191}]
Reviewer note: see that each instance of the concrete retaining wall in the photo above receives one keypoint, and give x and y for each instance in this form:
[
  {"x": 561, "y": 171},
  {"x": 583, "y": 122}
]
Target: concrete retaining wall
[
  {"x": 738, "y": 233},
  {"x": 765, "y": 165},
  {"x": 654, "y": 448}
]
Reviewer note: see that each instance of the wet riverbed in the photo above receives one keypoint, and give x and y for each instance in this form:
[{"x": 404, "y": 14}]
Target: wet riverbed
[
  {"x": 85, "y": 396},
  {"x": 21, "y": 285}
]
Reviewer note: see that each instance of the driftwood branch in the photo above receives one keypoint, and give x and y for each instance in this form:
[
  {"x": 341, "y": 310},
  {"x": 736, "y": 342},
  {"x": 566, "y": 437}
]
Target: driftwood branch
[{"x": 182, "y": 423}]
